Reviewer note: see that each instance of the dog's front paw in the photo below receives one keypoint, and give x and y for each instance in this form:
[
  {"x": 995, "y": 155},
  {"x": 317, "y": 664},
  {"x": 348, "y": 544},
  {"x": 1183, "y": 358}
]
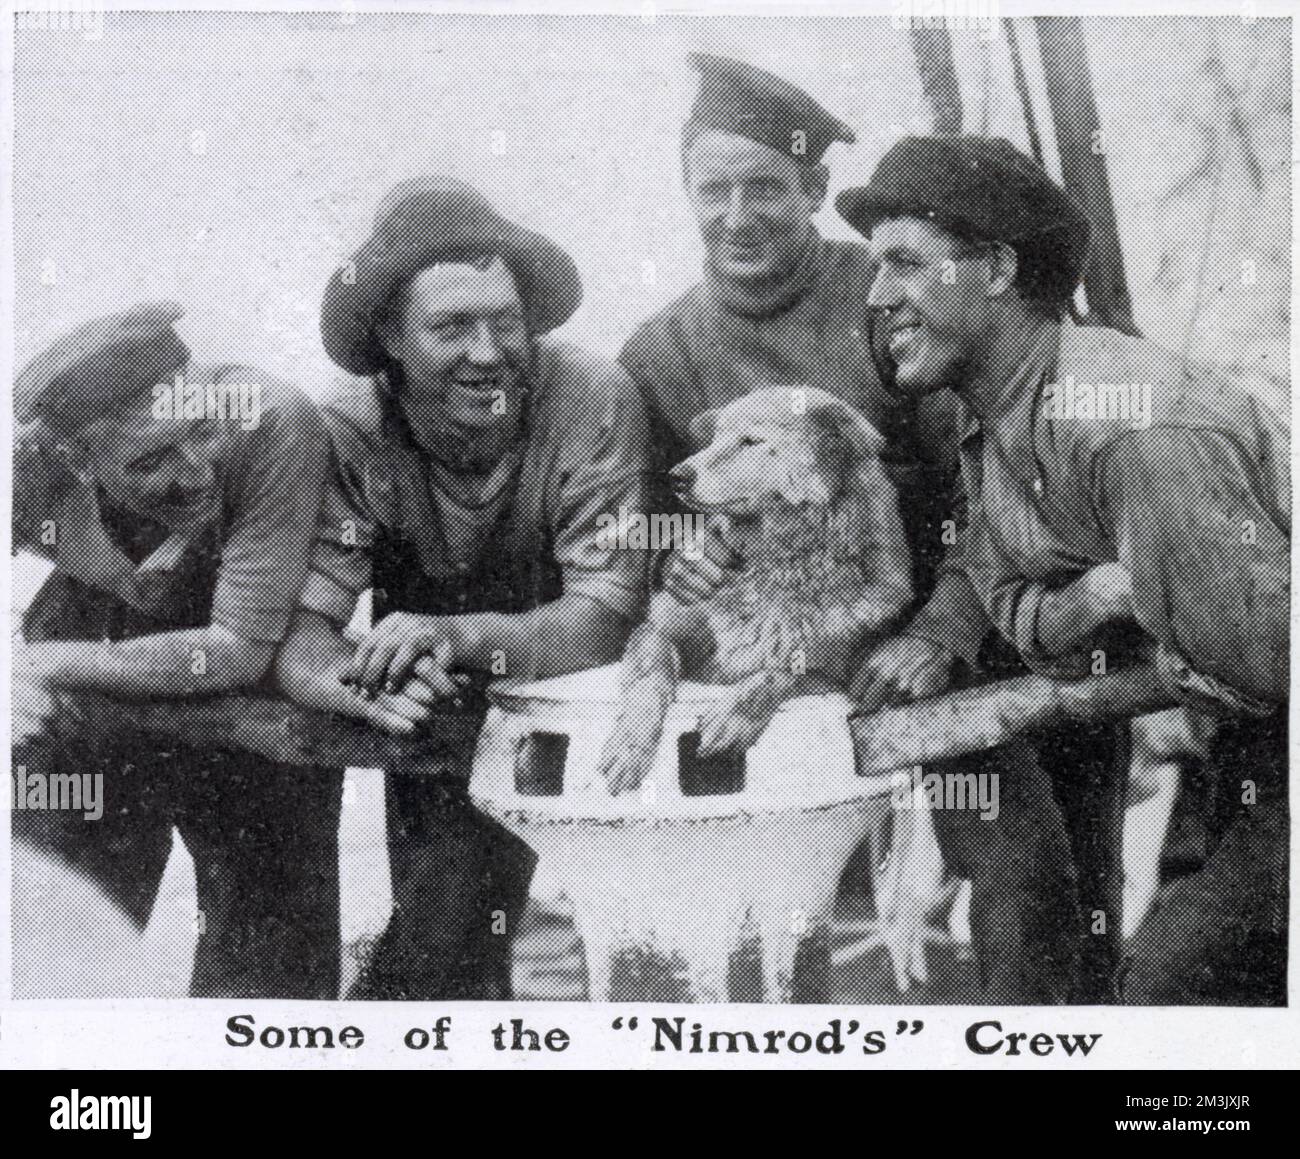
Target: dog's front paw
[
  {"x": 625, "y": 761},
  {"x": 735, "y": 723}
]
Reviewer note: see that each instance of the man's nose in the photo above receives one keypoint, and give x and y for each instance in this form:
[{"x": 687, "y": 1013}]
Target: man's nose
[
  {"x": 196, "y": 466},
  {"x": 885, "y": 291},
  {"x": 484, "y": 345},
  {"x": 737, "y": 212}
]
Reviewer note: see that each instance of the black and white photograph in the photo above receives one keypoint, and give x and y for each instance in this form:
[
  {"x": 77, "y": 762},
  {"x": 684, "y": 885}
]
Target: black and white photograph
[{"x": 627, "y": 532}]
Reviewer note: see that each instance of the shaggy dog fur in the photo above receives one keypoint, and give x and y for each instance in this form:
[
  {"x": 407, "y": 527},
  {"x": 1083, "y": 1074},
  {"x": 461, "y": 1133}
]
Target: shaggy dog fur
[{"x": 791, "y": 480}]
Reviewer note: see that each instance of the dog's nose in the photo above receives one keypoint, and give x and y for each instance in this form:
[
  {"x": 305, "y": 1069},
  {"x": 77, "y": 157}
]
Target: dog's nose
[{"x": 681, "y": 475}]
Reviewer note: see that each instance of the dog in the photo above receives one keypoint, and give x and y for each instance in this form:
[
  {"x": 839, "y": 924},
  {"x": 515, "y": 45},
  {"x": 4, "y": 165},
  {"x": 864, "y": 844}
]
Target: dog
[{"x": 792, "y": 482}]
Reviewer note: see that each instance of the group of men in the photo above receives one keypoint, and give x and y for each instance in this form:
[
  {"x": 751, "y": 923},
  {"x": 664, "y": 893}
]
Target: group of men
[{"x": 460, "y": 473}]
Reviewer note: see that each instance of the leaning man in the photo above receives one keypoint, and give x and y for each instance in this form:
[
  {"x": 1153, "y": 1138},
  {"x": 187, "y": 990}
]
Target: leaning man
[
  {"x": 473, "y": 463},
  {"x": 1105, "y": 527},
  {"x": 177, "y": 502}
]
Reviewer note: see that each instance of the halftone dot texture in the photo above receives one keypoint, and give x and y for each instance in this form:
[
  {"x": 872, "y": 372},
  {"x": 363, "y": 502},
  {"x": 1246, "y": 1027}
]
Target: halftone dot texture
[
  {"x": 263, "y": 836},
  {"x": 984, "y": 188},
  {"x": 430, "y": 219},
  {"x": 101, "y": 365},
  {"x": 1198, "y": 135},
  {"x": 737, "y": 97}
]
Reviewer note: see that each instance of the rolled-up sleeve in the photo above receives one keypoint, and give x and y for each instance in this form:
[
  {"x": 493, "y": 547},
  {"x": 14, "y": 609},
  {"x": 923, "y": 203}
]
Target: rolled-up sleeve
[
  {"x": 1209, "y": 555},
  {"x": 276, "y": 500},
  {"x": 604, "y": 472},
  {"x": 342, "y": 557}
]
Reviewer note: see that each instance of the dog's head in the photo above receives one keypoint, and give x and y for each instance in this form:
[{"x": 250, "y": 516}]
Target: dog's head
[{"x": 779, "y": 447}]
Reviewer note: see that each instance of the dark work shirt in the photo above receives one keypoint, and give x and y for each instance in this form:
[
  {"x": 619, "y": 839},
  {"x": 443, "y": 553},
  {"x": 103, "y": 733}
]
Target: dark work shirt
[{"x": 1192, "y": 497}]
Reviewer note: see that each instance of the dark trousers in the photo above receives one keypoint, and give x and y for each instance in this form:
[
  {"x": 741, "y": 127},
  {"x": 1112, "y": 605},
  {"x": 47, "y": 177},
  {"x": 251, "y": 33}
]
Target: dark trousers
[
  {"x": 460, "y": 884},
  {"x": 264, "y": 836},
  {"x": 1046, "y": 875},
  {"x": 1218, "y": 935},
  {"x": 264, "y": 839}
]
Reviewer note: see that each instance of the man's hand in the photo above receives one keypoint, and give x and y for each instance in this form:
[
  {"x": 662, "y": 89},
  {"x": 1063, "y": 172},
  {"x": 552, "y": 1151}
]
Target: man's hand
[
  {"x": 901, "y": 669},
  {"x": 400, "y": 713},
  {"x": 402, "y": 644},
  {"x": 33, "y": 709},
  {"x": 694, "y": 577}
]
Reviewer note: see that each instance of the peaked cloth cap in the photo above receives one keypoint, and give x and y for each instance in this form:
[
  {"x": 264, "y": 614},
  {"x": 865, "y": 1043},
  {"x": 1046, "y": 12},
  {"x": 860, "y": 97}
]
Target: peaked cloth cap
[
  {"x": 735, "y": 97},
  {"x": 100, "y": 367},
  {"x": 981, "y": 187}
]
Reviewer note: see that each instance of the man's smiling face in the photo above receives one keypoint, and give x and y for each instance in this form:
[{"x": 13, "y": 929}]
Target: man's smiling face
[
  {"x": 459, "y": 331},
  {"x": 753, "y": 205},
  {"x": 932, "y": 293},
  {"x": 162, "y": 468}
]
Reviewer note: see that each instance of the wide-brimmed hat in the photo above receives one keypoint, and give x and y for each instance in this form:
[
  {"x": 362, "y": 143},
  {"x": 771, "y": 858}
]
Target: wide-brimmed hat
[
  {"x": 985, "y": 187},
  {"x": 418, "y": 223}
]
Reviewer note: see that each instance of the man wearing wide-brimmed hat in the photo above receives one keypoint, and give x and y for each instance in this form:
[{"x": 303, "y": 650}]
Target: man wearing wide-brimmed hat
[
  {"x": 177, "y": 501},
  {"x": 1123, "y": 503},
  {"x": 473, "y": 462}
]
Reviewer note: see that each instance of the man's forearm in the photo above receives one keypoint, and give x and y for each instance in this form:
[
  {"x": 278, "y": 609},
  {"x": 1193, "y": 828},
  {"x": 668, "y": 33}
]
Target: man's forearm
[
  {"x": 1069, "y": 616},
  {"x": 308, "y": 666},
  {"x": 196, "y": 662},
  {"x": 952, "y": 618},
  {"x": 566, "y": 635}
]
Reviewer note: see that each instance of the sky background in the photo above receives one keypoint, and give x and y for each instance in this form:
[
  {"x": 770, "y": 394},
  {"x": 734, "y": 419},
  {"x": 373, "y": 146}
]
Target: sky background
[{"x": 231, "y": 161}]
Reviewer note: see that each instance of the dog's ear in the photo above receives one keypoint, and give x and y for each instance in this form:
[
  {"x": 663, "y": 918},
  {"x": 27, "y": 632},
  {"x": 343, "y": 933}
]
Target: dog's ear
[
  {"x": 702, "y": 428},
  {"x": 848, "y": 441},
  {"x": 850, "y": 426}
]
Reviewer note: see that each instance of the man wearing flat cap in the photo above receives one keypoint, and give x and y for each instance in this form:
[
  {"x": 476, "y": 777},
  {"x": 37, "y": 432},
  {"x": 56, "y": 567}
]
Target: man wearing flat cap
[
  {"x": 179, "y": 525},
  {"x": 473, "y": 462},
  {"x": 1123, "y": 504}
]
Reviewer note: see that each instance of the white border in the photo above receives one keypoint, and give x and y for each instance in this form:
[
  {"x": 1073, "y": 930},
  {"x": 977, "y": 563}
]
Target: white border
[{"x": 173, "y": 1033}]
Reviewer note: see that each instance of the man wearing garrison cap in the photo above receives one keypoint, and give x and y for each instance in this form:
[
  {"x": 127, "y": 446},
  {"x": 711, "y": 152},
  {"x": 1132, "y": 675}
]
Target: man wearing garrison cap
[
  {"x": 1145, "y": 518},
  {"x": 177, "y": 502},
  {"x": 781, "y": 305}
]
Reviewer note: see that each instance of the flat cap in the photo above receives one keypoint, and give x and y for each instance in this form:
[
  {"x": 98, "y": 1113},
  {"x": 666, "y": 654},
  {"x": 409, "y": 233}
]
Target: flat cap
[
  {"x": 423, "y": 221},
  {"x": 101, "y": 366},
  {"x": 982, "y": 187},
  {"x": 735, "y": 97}
]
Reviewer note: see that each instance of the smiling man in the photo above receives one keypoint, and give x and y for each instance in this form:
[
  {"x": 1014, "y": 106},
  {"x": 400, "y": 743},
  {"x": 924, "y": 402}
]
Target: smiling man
[
  {"x": 780, "y": 305},
  {"x": 180, "y": 544},
  {"x": 472, "y": 467},
  {"x": 1093, "y": 539}
]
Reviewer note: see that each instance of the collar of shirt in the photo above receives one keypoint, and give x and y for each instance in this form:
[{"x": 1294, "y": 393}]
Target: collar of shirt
[
  {"x": 87, "y": 552},
  {"x": 1009, "y": 411}
]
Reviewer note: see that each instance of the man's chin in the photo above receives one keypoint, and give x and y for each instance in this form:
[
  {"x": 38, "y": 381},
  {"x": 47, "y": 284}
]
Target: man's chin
[
  {"x": 912, "y": 381},
  {"x": 480, "y": 413}
]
